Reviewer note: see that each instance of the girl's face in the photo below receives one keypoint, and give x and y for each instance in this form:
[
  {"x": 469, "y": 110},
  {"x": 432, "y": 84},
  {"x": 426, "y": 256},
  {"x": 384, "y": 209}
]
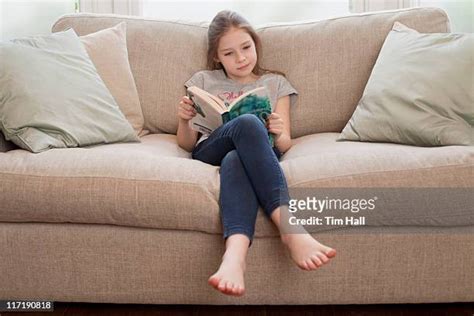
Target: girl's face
[{"x": 237, "y": 53}]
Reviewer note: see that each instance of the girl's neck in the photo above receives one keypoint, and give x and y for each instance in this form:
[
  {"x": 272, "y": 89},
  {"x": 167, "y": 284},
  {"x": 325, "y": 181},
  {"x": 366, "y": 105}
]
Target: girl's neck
[{"x": 251, "y": 78}]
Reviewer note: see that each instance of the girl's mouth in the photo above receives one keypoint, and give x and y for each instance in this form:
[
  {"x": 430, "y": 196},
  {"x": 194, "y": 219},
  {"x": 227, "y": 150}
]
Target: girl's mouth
[{"x": 243, "y": 67}]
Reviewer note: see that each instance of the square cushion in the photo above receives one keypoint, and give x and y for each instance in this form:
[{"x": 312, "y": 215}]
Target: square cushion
[
  {"x": 108, "y": 51},
  {"x": 53, "y": 97},
  {"x": 420, "y": 92}
]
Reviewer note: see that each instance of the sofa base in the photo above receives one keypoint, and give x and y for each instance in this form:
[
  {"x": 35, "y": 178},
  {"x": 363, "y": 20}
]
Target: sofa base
[{"x": 113, "y": 264}]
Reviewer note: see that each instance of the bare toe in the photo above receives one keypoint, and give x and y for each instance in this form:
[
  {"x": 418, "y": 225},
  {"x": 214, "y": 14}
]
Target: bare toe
[
  {"x": 235, "y": 290},
  {"x": 311, "y": 265},
  {"x": 331, "y": 253},
  {"x": 304, "y": 266},
  {"x": 323, "y": 257},
  {"x": 229, "y": 287},
  {"x": 213, "y": 281},
  {"x": 317, "y": 261},
  {"x": 221, "y": 286}
]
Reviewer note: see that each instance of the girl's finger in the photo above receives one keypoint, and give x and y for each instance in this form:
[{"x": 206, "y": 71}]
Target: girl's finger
[{"x": 187, "y": 100}]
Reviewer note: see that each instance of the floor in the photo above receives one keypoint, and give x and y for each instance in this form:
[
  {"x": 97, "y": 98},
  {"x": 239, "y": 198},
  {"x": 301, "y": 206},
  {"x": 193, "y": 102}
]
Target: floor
[{"x": 87, "y": 309}]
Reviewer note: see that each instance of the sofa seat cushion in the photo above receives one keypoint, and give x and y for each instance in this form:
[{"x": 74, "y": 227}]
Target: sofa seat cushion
[
  {"x": 149, "y": 184},
  {"x": 319, "y": 161},
  {"x": 155, "y": 183}
]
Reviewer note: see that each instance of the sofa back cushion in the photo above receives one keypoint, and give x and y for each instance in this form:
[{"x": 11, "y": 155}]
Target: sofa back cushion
[{"x": 329, "y": 62}]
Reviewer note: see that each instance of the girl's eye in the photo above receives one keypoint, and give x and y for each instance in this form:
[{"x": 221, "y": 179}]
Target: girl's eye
[
  {"x": 227, "y": 54},
  {"x": 246, "y": 47}
]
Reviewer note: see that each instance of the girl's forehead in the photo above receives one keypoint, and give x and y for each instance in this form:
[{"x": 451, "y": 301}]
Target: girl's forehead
[{"x": 234, "y": 37}]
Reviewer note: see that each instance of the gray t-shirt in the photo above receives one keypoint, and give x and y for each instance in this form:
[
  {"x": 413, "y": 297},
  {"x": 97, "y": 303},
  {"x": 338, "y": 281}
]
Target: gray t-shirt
[{"x": 217, "y": 83}]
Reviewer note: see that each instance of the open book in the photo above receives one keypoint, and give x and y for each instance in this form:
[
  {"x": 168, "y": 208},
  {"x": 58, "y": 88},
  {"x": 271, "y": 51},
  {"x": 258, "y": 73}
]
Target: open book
[{"x": 212, "y": 112}]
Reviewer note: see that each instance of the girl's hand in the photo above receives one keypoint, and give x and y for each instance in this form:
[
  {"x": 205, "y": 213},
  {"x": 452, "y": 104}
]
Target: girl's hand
[
  {"x": 275, "y": 124},
  {"x": 186, "y": 110}
]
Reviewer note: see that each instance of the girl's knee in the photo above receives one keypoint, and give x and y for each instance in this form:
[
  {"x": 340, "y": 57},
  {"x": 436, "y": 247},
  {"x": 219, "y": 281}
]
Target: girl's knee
[
  {"x": 231, "y": 158},
  {"x": 249, "y": 123}
]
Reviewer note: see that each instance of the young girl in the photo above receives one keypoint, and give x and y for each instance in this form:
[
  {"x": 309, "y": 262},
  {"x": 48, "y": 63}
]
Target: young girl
[{"x": 250, "y": 173}]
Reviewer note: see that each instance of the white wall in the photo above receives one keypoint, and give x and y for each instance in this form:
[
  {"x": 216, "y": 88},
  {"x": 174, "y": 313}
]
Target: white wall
[
  {"x": 1, "y": 20},
  {"x": 31, "y": 17},
  {"x": 34, "y": 17},
  {"x": 460, "y": 12},
  {"x": 256, "y": 11}
]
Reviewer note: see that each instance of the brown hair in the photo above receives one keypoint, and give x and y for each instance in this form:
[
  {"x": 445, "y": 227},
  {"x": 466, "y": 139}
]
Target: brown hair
[{"x": 223, "y": 22}]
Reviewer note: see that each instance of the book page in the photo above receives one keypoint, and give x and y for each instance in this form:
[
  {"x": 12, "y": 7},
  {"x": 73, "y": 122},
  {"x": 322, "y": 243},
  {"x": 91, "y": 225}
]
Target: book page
[{"x": 208, "y": 109}]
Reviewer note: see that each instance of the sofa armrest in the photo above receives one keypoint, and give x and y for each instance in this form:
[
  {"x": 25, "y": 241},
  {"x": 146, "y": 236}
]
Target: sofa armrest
[{"x": 5, "y": 145}]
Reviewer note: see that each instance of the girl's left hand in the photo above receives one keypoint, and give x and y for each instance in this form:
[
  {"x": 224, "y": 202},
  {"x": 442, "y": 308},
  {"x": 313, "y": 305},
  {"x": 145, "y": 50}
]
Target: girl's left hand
[{"x": 275, "y": 124}]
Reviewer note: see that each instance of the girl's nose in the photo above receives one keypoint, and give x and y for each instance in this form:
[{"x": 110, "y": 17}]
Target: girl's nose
[{"x": 240, "y": 57}]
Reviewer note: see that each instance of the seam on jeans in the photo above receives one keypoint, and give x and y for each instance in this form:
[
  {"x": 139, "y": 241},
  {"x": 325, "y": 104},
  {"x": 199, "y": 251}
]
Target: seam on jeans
[
  {"x": 280, "y": 175},
  {"x": 279, "y": 186}
]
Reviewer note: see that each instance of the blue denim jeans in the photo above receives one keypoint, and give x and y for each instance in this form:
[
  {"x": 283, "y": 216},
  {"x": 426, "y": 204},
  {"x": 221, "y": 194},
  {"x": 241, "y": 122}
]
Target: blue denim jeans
[{"x": 250, "y": 173}]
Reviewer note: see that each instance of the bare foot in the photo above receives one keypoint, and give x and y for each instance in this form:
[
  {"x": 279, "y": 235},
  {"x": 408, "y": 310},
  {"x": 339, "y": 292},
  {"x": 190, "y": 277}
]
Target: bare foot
[
  {"x": 306, "y": 252},
  {"x": 229, "y": 279}
]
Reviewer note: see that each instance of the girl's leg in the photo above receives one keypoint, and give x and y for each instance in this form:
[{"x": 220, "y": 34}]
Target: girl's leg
[
  {"x": 249, "y": 137},
  {"x": 237, "y": 199},
  {"x": 239, "y": 207}
]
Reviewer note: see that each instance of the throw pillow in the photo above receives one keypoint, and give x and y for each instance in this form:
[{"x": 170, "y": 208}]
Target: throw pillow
[
  {"x": 51, "y": 96},
  {"x": 108, "y": 51},
  {"x": 420, "y": 91}
]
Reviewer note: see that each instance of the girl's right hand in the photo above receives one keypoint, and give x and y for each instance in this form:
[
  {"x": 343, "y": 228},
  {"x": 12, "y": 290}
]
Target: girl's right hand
[{"x": 186, "y": 110}]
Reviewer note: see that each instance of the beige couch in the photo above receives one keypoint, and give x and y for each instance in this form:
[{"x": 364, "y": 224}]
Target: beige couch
[{"x": 139, "y": 223}]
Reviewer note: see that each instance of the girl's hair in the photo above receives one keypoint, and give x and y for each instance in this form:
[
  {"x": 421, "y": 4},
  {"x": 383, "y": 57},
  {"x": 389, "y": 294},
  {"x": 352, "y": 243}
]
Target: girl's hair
[{"x": 223, "y": 22}]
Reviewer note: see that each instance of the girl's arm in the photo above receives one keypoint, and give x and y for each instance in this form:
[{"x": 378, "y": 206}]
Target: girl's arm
[
  {"x": 279, "y": 124},
  {"x": 187, "y": 137}
]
